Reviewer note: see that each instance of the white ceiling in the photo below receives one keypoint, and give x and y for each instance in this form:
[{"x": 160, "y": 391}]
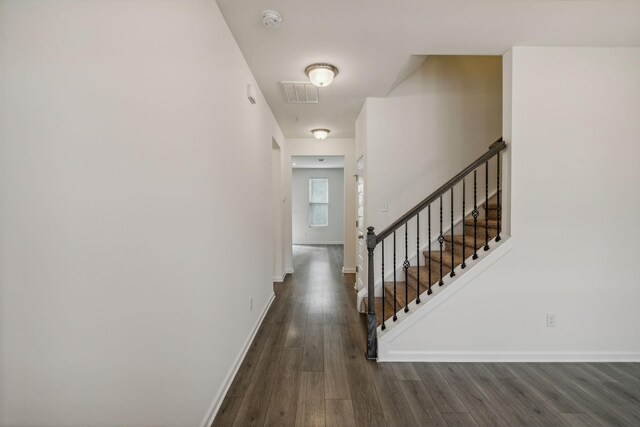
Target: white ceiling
[
  {"x": 313, "y": 162},
  {"x": 372, "y": 43}
]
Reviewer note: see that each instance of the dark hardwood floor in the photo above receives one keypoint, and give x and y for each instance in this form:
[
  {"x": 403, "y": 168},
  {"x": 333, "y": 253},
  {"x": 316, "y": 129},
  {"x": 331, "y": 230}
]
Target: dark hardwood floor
[{"x": 306, "y": 367}]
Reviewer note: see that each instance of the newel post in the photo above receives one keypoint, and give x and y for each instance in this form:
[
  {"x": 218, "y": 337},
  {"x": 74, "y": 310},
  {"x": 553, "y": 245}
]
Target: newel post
[{"x": 372, "y": 339}]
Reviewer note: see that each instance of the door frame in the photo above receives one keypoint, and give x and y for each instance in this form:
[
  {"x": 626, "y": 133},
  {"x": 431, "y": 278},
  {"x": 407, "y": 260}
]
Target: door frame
[{"x": 361, "y": 240}]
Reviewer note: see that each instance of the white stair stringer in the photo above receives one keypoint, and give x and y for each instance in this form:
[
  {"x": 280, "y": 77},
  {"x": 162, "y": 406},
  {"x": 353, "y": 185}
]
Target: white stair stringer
[{"x": 440, "y": 294}]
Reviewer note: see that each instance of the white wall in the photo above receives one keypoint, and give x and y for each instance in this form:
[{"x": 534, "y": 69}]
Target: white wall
[
  {"x": 574, "y": 220},
  {"x": 443, "y": 117},
  {"x": 132, "y": 166},
  {"x": 439, "y": 120},
  {"x": 302, "y": 233},
  {"x": 361, "y": 159},
  {"x": 328, "y": 147}
]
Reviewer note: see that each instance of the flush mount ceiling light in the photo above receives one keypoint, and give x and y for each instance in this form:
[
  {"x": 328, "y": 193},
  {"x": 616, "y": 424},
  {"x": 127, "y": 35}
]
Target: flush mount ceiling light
[
  {"x": 321, "y": 75},
  {"x": 320, "y": 133}
]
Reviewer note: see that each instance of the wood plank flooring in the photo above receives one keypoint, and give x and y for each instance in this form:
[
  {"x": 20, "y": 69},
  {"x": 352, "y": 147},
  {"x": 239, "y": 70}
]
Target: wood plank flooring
[{"x": 306, "y": 367}]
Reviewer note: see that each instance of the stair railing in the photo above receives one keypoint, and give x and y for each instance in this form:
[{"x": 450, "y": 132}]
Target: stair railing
[{"x": 402, "y": 225}]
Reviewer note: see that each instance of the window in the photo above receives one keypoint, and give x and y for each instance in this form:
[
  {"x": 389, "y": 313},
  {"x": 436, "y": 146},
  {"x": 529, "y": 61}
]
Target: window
[{"x": 318, "y": 202}]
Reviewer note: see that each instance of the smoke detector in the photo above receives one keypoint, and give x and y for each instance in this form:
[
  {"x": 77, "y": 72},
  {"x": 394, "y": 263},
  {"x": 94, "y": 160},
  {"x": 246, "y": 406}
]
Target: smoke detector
[{"x": 271, "y": 19}]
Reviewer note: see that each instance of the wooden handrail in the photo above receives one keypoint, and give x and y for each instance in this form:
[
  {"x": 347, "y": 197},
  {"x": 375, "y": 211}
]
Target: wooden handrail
[{"x": 494, "y": 148}]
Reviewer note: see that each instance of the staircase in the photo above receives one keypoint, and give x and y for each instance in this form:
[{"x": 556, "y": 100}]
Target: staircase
[
  {"x": 450, "y": 244},
  {"x": 488, "y": 223}
]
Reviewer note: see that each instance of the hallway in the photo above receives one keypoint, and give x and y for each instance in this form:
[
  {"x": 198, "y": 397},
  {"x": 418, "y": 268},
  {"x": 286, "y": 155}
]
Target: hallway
[
  {"x": 316, "y": 339},
  {"x": 307, "y": 367}
]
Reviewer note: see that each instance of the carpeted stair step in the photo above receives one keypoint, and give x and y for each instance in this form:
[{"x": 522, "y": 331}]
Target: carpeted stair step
[
  {"x": 388, "y": 300},
  {"x": 446, "y": 264},
  {"x": 490, "y": 223},
  {"x": 491, "y": 210},
  {"x": 401, "y": 300},
  {"x": 388, "y": 308},
  {"x": 483, "y": 224},
  {"x": 493, "y": 204},
  {"x": 412, "y": 275},
  {"x": 447, "y": 259},
  {"x": 457, "y": 244}
]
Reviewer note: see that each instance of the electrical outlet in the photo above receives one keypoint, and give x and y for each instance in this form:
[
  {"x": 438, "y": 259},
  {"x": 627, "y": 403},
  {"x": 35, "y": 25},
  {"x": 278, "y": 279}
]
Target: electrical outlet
[
  {"x": 251, "y": 303},
  {"x": 551, "y": 320},
  {"x": 385, "y": 207}
]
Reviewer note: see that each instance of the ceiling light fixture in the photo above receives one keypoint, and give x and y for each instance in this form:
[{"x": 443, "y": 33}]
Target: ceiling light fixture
[
  {"x": 320, "y": 133},
  {"x": 321, "y": 75}
]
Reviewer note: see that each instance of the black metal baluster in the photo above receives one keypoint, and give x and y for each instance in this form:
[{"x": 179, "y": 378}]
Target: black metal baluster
[
  {"x": 406, "y": 266},
  {"x": 486, "y": 205},
  {"x": 499, "y": 206},
  {"x": 453, "y": 263},
  {"x": 464, "y": 232},
  {"x": 383, "y": 326},
  {"x": 441, "y": 241},
  {"x": 475, "y": 216},
  {"x": 429, "y": 291},
  {"x": 395, "y": 310},
  {"x": 418, "y": 257}
]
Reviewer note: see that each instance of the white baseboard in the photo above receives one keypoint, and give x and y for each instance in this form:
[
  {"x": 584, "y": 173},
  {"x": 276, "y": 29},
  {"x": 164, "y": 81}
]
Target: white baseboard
[
  {"x": 386, "y": 353},
  {"x": 348, "y": 270},
  {"x": 217, "y": 401},
  {"x": 509, "y": 356},
  {"x": 336, "y": 242},
  {"x": 289, "y": 270},
  {"x": 280, "y": 279}
]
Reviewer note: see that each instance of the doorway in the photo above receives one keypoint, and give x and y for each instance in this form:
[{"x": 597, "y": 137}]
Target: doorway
[{"x": 317, "y": 200}]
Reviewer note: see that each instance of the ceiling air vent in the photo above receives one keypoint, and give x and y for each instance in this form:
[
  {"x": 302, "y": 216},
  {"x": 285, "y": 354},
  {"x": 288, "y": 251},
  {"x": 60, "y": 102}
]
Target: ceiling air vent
[{"x": 300, "y": 93}]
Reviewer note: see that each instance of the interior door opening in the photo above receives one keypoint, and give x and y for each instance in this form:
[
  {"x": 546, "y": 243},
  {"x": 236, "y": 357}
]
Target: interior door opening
[{"x": 318, "y": 200}]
